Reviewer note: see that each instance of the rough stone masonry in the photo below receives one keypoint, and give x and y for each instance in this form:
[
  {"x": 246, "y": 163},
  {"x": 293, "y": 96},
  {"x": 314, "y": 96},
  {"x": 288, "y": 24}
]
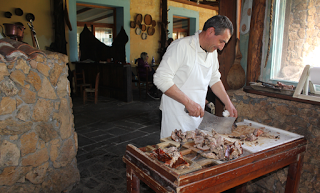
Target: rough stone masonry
[
  {"x": 296, "y": 117},
  {"x": 38, "y": 144}
]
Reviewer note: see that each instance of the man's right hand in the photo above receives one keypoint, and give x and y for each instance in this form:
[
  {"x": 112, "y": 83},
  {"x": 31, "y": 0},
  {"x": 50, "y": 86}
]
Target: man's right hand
[{"x": 194, "y": 109}]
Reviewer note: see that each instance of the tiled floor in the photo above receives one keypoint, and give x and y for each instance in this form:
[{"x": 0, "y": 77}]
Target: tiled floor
[{"x": 104, "y": 130}]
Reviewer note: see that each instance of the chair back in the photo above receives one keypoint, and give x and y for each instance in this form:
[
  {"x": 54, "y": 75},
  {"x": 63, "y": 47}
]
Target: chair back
[
  {"x": 79, "y": 77},
  {"x": 146, "y": 70}
]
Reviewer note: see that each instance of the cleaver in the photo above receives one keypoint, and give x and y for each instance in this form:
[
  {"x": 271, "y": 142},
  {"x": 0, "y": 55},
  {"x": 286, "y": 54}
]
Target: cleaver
[{"x": 222, "y": 125}]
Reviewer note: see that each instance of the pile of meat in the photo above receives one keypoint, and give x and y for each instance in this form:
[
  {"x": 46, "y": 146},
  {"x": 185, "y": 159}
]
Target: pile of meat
[
  {"x": 213, "y": 145},
  {"x": 284, "y": 86},
  {"x": 171, "y": 157},
  {"x": 249, "y": 133}
]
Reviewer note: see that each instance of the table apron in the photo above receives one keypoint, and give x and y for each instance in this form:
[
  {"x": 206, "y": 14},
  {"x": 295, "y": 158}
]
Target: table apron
[{"x": 235, "y": 177}]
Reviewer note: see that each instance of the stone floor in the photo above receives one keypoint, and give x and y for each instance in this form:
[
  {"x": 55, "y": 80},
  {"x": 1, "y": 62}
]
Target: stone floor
[{"x": 104, "y": 130}]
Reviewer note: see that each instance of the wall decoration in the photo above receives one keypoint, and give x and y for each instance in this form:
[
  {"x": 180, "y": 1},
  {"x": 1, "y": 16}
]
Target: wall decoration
[
  {"x": 144, "y": 36},
  {"x": 18, "y": 12},
  {"x": 132, "y": 24},
  {"x": 138, "y": 19},
  {"x": 246, "y": 17},
  {"x": 153, "y": 23},
  {"x": 138, "y": 31},
  {"x": 151, "y": 30},
  {"x": 143, "y": 29},
  {"x": 147, "y": 19},
  {"x": 8, "y": 14}
]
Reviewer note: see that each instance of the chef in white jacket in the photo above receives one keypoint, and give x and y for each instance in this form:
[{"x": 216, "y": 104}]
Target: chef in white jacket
[{"x": 187, "y": 68}]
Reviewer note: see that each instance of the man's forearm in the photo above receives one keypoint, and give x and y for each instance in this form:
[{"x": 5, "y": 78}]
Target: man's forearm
[
  {"x": 219, "y": 90},
  {"x": 192, "y": 107},
  {"x": 175, "y": 93}
]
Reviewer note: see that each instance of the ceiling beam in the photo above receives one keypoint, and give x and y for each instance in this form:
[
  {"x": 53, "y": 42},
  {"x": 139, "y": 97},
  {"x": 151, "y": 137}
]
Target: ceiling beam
[
  {"x": 83, "y": 10},
  {"x": 198, "y": 5},
  {"x": 101, "y": 18}
]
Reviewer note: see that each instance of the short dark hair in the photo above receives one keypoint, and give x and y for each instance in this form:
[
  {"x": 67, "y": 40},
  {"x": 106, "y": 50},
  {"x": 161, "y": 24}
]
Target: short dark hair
[{"x": 220, "y": 23}]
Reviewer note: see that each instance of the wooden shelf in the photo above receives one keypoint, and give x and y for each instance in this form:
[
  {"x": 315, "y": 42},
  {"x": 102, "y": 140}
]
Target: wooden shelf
[{"x": 249, "y": 89}]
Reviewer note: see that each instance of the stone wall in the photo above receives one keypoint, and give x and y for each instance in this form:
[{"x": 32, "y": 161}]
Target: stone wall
[
  {"x": 296, "y": 117},
  {"x": 38, "y": 143}
]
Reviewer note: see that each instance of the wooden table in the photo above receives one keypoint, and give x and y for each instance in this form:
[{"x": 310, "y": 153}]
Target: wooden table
[{"x": 216, "y": 178}]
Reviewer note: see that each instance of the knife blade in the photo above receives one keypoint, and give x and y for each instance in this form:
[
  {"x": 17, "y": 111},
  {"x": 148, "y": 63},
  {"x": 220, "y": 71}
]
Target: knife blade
[{"x": 222, "y": 125}]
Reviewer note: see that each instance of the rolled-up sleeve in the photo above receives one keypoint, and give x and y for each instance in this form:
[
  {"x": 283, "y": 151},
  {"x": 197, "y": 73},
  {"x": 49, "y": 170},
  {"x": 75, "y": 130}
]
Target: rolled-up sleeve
[
  {"x": 215, "y": 70},
  {"x": 170, "y": 63}
]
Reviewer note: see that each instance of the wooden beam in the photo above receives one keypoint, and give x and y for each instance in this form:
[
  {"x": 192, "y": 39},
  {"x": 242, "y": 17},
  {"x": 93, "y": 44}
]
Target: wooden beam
[
  {"x": 197, "y": 5},
  {"x": 102, "y": 17},
  {"x": 255, "y": 40},
  {"x": 83, "y": 10},
  {"x": 95, "y": 24},
  {"x": 227, "y": 55},
  {"x": 94, "y": 6}
]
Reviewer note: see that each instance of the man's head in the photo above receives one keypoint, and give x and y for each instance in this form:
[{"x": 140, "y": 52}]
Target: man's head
[
  {"x": 219, "y": 23},
  {"x": 216, "y": 33}
]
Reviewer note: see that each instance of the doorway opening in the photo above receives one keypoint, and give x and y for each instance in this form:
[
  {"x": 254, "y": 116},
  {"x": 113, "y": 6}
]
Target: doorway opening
[
  {"x": 100, "y": 20},
  {"x": 181, "y": 27}
]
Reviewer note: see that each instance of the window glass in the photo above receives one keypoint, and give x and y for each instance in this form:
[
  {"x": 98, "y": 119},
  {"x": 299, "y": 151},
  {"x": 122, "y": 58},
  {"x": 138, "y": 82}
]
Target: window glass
[
  {"x": 104, "y": 35},
  {"x": 295, "y": 39}
]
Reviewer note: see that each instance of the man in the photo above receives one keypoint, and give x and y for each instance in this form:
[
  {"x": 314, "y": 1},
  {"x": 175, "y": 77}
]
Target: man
[{"x": 189, "y": 65}]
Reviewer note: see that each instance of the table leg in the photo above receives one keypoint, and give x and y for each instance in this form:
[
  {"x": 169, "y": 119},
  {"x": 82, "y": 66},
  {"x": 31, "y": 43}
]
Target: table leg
[
  {"x": 133, "y": 182},
  {"x": 294, "y": 173}
]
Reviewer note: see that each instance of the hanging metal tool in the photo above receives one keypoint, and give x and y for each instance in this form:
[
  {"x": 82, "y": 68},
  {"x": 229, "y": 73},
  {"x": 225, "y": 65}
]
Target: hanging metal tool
[{"x": 34, "y": 35}]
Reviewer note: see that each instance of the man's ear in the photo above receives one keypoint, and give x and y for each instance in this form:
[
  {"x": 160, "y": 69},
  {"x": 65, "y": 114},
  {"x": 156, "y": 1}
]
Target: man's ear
[{"x": 212, "y": 31}]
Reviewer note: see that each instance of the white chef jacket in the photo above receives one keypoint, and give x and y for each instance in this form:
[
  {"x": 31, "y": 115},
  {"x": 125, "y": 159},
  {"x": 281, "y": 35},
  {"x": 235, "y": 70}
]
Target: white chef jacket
[
  {"x": 178, "y": 61},
  {"x": 176, "y": 69}
]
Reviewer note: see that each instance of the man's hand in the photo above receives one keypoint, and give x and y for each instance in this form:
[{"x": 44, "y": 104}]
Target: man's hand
[
  {"x": 194, "y": 109},
  {"x": 232, "y": 110},
  {"x": 219, "y": 90}
]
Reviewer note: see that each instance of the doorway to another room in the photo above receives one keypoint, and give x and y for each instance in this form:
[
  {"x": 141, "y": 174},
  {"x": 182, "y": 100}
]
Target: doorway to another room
[
  {"x": 100, "y": 20},
  {"x": 181, "y": 27}
]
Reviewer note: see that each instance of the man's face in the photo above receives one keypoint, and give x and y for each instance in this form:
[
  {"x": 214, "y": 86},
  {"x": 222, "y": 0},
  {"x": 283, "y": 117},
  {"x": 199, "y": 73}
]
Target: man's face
[{"x": 215, "y": 42}]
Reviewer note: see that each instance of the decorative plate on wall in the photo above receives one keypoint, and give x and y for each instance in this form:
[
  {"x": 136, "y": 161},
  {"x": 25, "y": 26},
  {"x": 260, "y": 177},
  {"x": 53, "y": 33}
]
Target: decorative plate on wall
[
  {"x": 144, "y": 36},
  {"x": 143, "y": 27},
  {"x": 138, "y": 31},
  {"x": 132, "y": 24},
  {"x": 154, "y": 23},
  {"x": 147, "y": 19},
  {"x": 138, "y": 19},
  {"x": 151, "y": 31}
]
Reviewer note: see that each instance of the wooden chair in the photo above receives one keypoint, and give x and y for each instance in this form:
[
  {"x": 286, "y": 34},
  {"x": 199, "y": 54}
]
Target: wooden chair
[
  {"x": 80, "y": 81},
  {"x": 92, "y": 90},
  {"x": 143, "y": 83}
]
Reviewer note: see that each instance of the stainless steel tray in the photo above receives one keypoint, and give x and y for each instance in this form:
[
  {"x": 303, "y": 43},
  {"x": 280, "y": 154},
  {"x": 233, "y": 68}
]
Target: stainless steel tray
[{"x": 266, "y": 143}]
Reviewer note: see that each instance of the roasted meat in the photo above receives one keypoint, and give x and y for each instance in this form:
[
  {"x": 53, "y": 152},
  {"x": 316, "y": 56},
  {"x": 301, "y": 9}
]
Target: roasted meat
[
  {"x": 171, "y": 157},
  {"x": 257, "y": 132},
  {"x": 213, "y": 145},
  {"x": 179, "y": 136},
  {"x": 175, "y": 137}
]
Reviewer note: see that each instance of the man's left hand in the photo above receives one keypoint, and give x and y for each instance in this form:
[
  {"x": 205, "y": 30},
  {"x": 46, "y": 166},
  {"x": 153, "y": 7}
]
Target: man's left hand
[{"x": 232, "y": 110}]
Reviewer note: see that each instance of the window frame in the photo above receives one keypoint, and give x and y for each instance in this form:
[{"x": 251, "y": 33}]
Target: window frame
[{"x": 277, "y": 33}]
